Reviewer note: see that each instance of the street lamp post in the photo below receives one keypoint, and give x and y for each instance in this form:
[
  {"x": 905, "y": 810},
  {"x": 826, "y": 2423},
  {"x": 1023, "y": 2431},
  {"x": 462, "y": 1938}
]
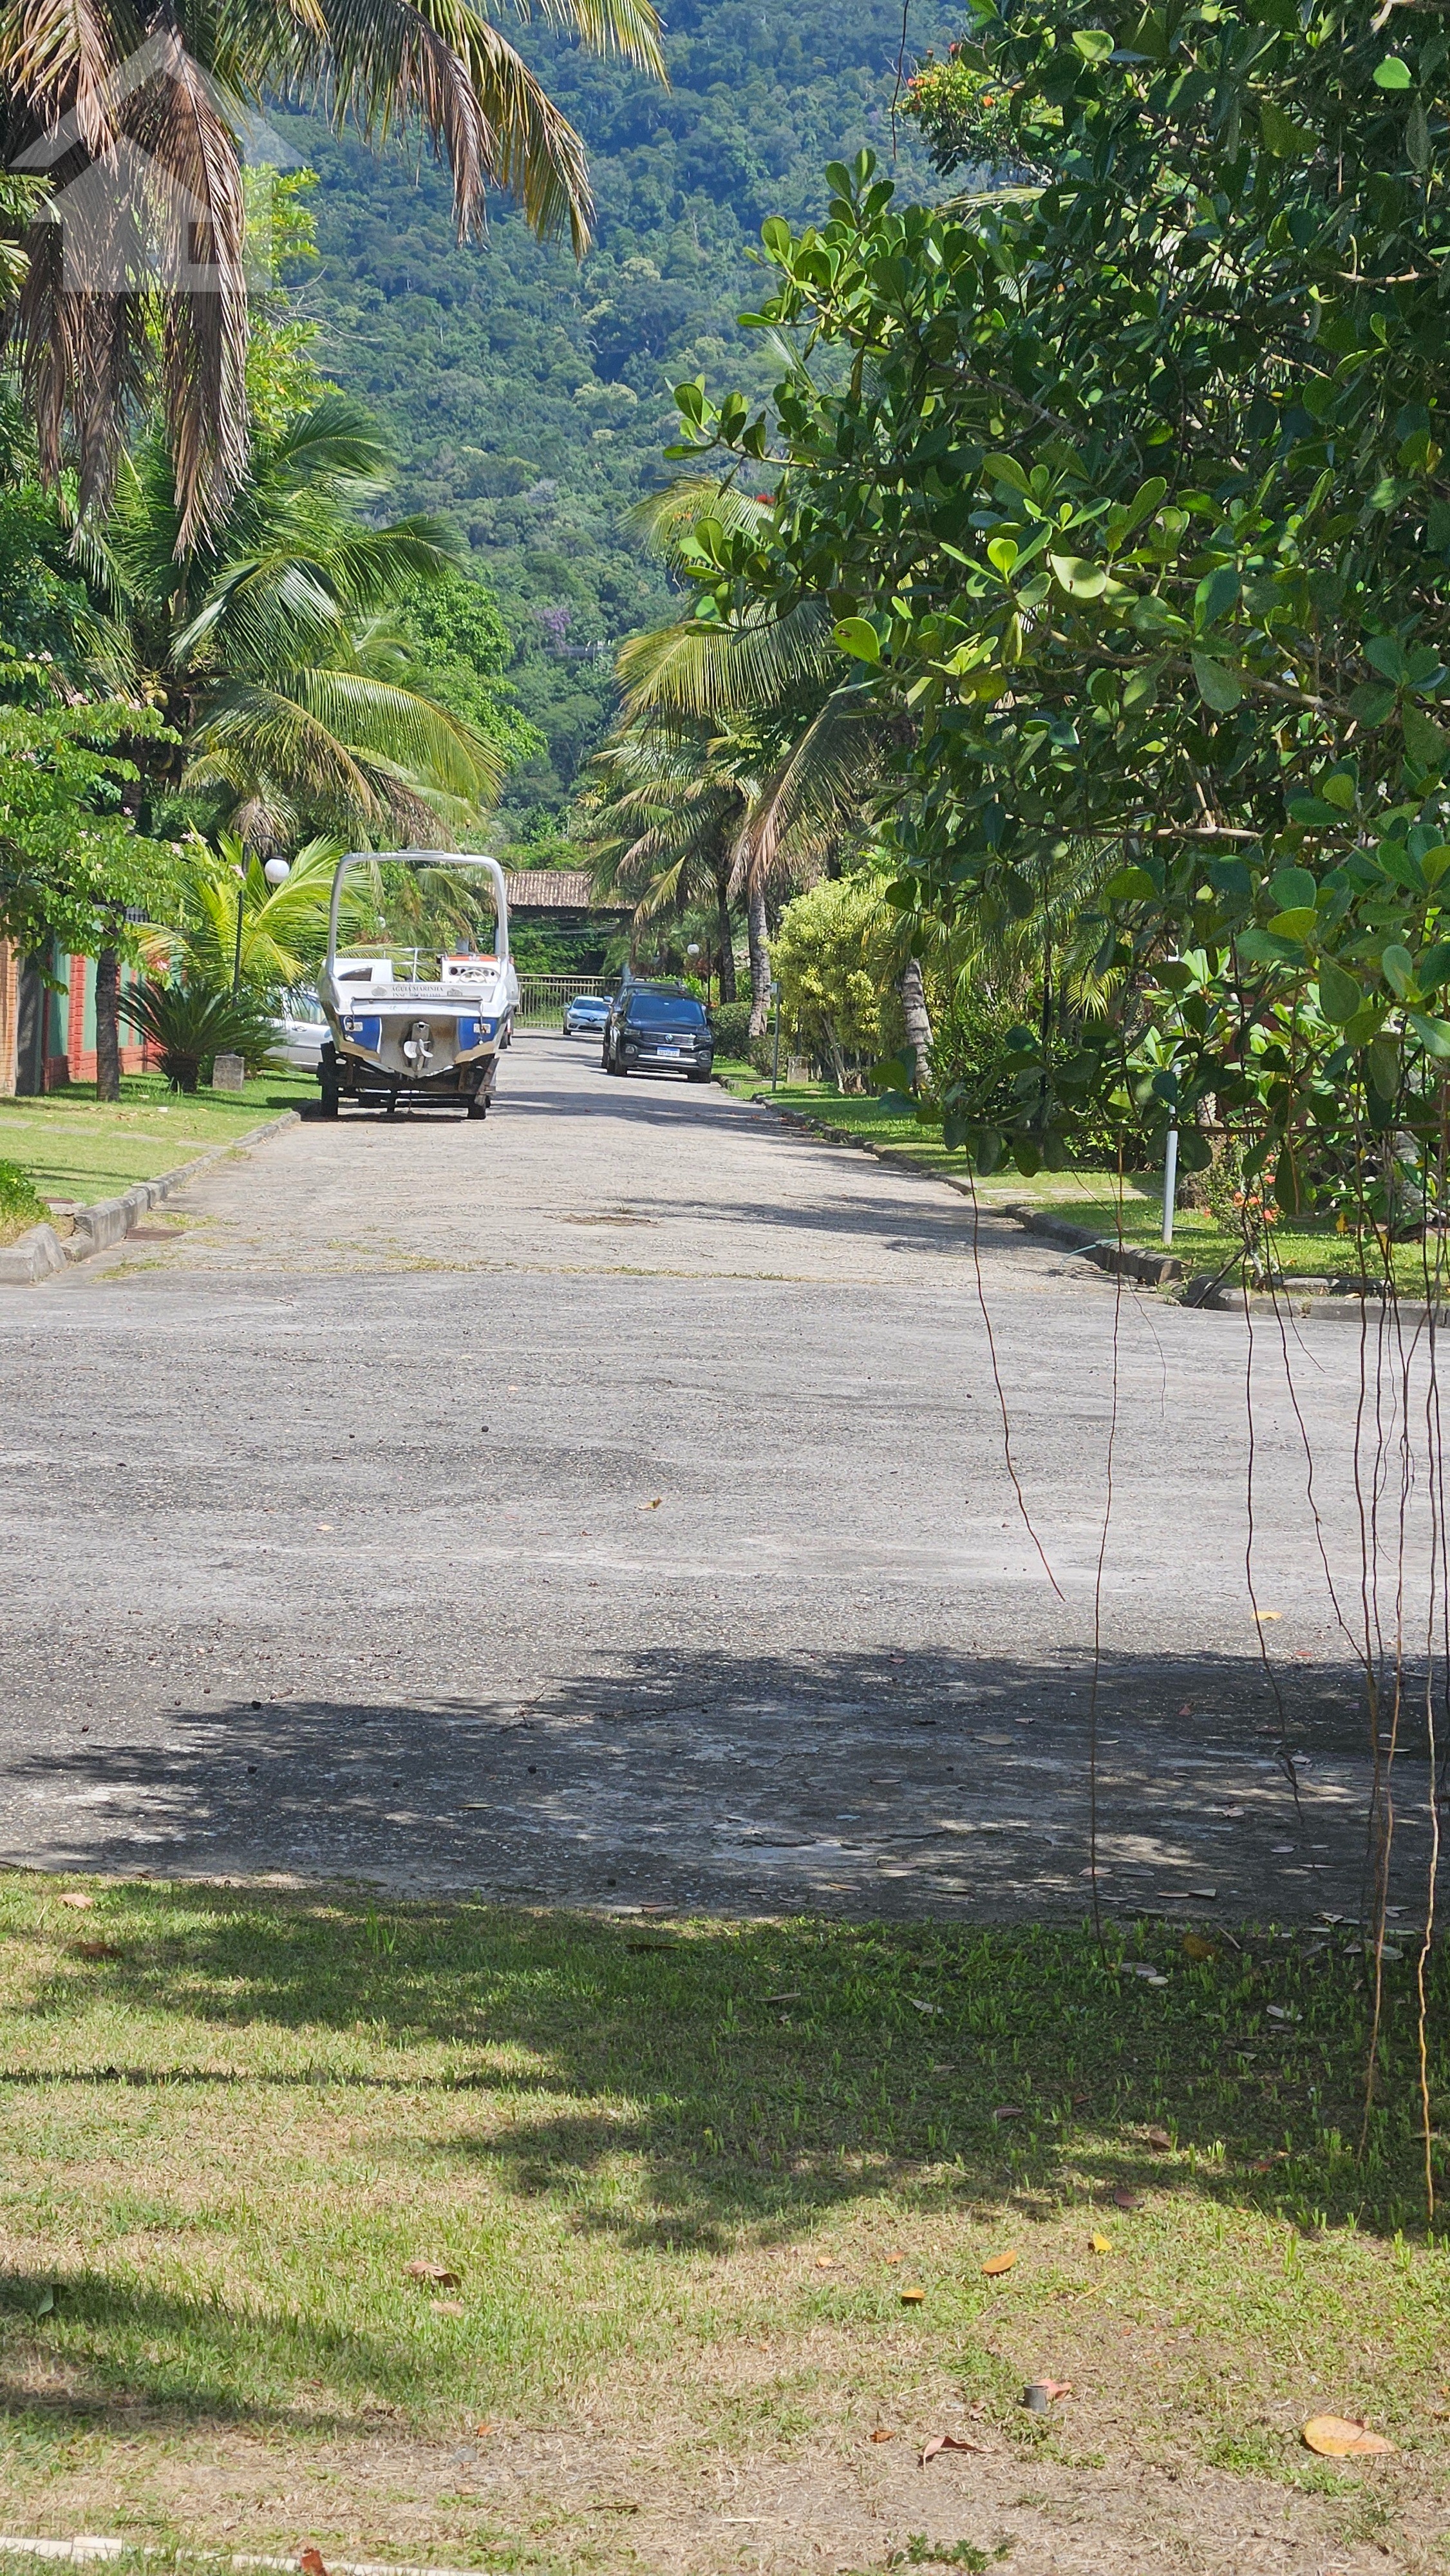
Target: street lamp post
[{"x": 775, "y": 1048}]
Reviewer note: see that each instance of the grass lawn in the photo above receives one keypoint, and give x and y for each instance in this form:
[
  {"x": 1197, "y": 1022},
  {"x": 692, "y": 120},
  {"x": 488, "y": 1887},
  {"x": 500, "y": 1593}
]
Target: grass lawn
[
  {"x": 74, "y": 1147},
  {"x": 683, "y": 2174},
  {"x": 1084, "y": 1198}
]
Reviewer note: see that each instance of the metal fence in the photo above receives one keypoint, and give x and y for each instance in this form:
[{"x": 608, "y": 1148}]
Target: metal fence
[{"x": 542, "y": 998}]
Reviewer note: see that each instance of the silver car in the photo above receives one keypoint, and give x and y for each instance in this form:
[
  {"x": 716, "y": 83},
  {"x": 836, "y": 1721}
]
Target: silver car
[
  {"x": 586, "y": 1016},
  {"x": 301, "y": 1031}
]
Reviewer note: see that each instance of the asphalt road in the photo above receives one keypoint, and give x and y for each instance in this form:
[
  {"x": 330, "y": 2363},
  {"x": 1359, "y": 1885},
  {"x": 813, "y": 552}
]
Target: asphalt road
[{"x": 608, "y": 1503}]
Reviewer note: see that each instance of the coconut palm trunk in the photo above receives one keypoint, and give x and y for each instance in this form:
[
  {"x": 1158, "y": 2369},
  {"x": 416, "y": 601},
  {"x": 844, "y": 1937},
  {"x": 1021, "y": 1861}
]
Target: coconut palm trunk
[
  {"x": 758, "y": 932},
  {"x": 108, "y": 1025},
  {"x": 917, "y": 1019},
  {"x": 724, "y": 928}
]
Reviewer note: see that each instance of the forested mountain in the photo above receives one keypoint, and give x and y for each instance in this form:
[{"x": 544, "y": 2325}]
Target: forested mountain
[{"x": 529, "y": 399}]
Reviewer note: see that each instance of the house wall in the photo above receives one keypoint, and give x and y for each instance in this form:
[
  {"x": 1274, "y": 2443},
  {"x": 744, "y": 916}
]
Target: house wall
[{"x": 67, "y": 1050}]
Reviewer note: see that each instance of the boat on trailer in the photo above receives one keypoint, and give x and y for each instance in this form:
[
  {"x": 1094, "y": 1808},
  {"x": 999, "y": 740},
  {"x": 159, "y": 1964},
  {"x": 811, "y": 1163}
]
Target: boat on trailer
[{"x": 419, "y": 1025}]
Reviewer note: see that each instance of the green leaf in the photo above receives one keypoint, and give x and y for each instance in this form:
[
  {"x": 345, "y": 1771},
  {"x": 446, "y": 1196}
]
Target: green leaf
[
  {"x": 1286, "y": 140},
  {"x": 1130, "y": 885},
  {"x": 1026, "y": 1157},
  {"x": 1286, "y": 1184},
  {"x": 1425, "y": 741},
  {"x": 1435, "y": 862},
  {"x": 1434, "y": 1035},
  {"x": 1292, "y": 887},
  {"x": 1298, "y": 924},
  {"x": 1005, "y": 469},
  {"x": 1398, "y": 968},
  {"x": 858, "y": 637},
  {"x": 1338, "y": 789},
  {"x": 1369, "y": 704},
  {"x": 1383, "y": 1067},
  {"x": 1002, "y": 554},
  {"x": 1220, "y": 689},
  {"x": 1093, "y": 43},
  {"x": 1080, "y": 578},
  {"x": 1339, "y": 995},
  {"x": 1433, "y": 966},
  {"x": 775, "y": 233},
  {"x": 1393, "y": 73}
]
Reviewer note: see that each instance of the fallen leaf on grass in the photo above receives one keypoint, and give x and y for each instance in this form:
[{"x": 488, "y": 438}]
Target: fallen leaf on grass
[
  {"x": 912, "y": 2298},
  {"x": 45, "y": 2304},
  {"x": 1339, "y": 2437},
  {"x": 97, "y": 1950},
  {"x": 1038, "y": 2394},
  {"x": 881, "y": 2434},
  {"x": 482, "y": 2428},
  {"x": 441, "y": 2274},
  {"x": 998, "y": 2263},
  {"x": 945, "y": 2442},
  {"x": 1123, "y": 2199},
  {"x": 1158, "y": 2138},
  {"x": 792, "y": 1995},
  {"x": 923, "y": 2006},
  {"x": 446, "y": 2307},
  {"x": 1009, "y": 2111},
  {"x": 895, "y": 2258},
  {"x": 311, "y": 2563},
  {"x": 74, "y": 1896},
  {"x": 1101, "y": 2244},
  {"x": 825, "y": 2262},
  {"x": 1195, "y": 1947}
]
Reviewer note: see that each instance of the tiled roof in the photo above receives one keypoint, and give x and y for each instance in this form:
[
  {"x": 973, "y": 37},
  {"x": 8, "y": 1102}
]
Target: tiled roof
[{"x": 555, "y": 890}]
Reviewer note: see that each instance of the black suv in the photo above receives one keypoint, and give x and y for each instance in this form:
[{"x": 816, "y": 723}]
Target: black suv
[{"x": 658, "y": 1028}]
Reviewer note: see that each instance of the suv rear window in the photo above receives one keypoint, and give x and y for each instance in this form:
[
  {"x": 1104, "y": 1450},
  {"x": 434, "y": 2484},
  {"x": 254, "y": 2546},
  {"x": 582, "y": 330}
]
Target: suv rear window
[{"x": 665, "y": 1011}]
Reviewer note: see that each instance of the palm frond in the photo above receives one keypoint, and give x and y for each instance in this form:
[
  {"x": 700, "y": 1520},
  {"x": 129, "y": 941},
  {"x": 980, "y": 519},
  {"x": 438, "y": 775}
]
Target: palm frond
[{"x": 728, "y": 670}]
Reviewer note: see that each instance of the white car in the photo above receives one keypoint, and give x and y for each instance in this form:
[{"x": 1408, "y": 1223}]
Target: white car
[{"x": 300, "y": 1033}]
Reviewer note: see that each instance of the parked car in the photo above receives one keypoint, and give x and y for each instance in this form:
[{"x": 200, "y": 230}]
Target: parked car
[
  {"x": 587, "y": 1016},
  {"x": 658, "y": 1028},
  {"x": 300, "y": 1032}
]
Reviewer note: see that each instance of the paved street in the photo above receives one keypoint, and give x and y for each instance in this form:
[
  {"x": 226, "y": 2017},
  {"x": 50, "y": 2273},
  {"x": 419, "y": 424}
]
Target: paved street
[{"x": 608, "y": 1502}]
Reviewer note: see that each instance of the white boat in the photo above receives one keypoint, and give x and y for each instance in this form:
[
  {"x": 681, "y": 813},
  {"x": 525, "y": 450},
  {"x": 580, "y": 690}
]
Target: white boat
[{"x": 415, "y": 1024}]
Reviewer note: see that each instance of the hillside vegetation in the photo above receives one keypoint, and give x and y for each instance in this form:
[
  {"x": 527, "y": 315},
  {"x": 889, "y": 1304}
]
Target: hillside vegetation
[{"x": 528, "y": 398}]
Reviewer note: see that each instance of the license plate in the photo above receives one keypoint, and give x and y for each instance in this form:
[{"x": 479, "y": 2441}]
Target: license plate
[{"x": 672, "y": 1052}]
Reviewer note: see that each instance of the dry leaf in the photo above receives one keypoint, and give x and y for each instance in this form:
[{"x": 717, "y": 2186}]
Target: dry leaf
[
  {"x": 1264, "y": 1616},
  {"x": 74, "y": 1896},
  {"x": 97, "y": 1950},
  {"x": 1101, "y": 2244},
  {"x": 1195, "y": 1947},
  {"x": 825, "y": 2262},
  {"x": 896, "y": 2258},
  {"x": 1339, "y": 2437},
  {"x": 654, "y": 1506},
  {"x": 482, "y": 2428},
  {"x": 440, "y": 2274},
  {"x": 311, "y": 2563},
  {"x": 923, "y": 2006},
  {"x": 998, "y": 2263},
  {"x": 446, "y": 2307},
  {"x": 912, "y": 2298},
  {"x": 945, "y": 2442},
  {"x": 1158, "y": 2138},
  {"x": 1124, "y": 2199},
  {"x": 1038, "y": 2394},
  {"x": 1009, "y": 2111},
  {"x": 881, "y": 2434}
]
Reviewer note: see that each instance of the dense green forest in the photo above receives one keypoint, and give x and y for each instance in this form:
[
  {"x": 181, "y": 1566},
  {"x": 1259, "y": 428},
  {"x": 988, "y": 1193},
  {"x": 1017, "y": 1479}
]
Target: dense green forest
[{"x": 529, "y": 398}]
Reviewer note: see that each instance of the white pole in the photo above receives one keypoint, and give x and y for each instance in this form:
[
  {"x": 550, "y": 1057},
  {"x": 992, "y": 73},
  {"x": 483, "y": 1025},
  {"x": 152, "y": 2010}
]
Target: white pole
[{"x": 1170, "y": 1183}]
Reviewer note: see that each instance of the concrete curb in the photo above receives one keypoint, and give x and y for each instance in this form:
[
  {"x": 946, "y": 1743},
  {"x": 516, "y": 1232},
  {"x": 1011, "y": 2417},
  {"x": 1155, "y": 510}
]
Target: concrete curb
[
  {"x": 1204, "y": 1290},
  {"x": 41, "y": 1253}
]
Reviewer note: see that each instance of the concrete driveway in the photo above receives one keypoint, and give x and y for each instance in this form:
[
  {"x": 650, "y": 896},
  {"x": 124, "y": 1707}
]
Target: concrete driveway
[{"x": 608, "y": 1503}]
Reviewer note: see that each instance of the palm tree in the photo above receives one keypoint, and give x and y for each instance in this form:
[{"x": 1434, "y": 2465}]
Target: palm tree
[
  {"x": 153, "y": 100},
  {"x": 762, "y": 701},
  {"x": 269, "y": 645}
]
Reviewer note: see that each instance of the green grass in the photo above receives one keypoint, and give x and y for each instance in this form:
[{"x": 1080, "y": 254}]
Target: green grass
[
  {"x": 72, "y": 1146},
  {"x": 231, "y": 2119},
  {"x": 1079, "y": 1197}
]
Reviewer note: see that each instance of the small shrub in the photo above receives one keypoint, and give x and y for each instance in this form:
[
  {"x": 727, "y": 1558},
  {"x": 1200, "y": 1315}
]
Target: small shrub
[
  {"x": 731, "y": 1024},
  {"x": 190, "y": 1025},
  {"x": 21, "y": 1205}
]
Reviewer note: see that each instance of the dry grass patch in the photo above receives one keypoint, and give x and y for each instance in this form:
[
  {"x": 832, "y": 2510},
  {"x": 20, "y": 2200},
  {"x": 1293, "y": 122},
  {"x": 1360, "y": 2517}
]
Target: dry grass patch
[{"x": 682, "y": 2178}]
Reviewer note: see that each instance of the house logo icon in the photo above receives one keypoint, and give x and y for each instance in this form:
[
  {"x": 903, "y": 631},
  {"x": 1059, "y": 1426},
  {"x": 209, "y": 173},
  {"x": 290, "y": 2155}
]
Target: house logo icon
[{"x": 124, "y": 213}]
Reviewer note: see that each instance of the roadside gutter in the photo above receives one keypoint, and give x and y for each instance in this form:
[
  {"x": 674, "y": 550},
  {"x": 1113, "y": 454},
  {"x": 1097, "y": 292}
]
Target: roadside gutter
[{"x": 42, "y": 1252}]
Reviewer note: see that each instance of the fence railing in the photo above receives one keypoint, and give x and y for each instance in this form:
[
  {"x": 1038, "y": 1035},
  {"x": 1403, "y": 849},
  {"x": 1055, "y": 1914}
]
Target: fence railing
[{"x": 543, "y": 997}]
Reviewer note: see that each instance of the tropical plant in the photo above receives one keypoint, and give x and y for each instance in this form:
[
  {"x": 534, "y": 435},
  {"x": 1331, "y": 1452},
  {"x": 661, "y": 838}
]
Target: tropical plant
[
  {"x": 141, "y": 114},
  {"x": 72, "y": 865},
  {"x": 190, "y": 1024},
  {"x": 833, "y": 958},
  {"x": 275, "y": 645},
  {"x": 1130, "y": 509}
]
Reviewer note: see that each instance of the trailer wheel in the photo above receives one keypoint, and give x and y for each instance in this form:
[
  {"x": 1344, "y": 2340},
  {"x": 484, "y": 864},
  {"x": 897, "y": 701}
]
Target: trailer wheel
[
  {"x": 478, "y": 1108},
  {"x": 329, "y": 1098}
]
